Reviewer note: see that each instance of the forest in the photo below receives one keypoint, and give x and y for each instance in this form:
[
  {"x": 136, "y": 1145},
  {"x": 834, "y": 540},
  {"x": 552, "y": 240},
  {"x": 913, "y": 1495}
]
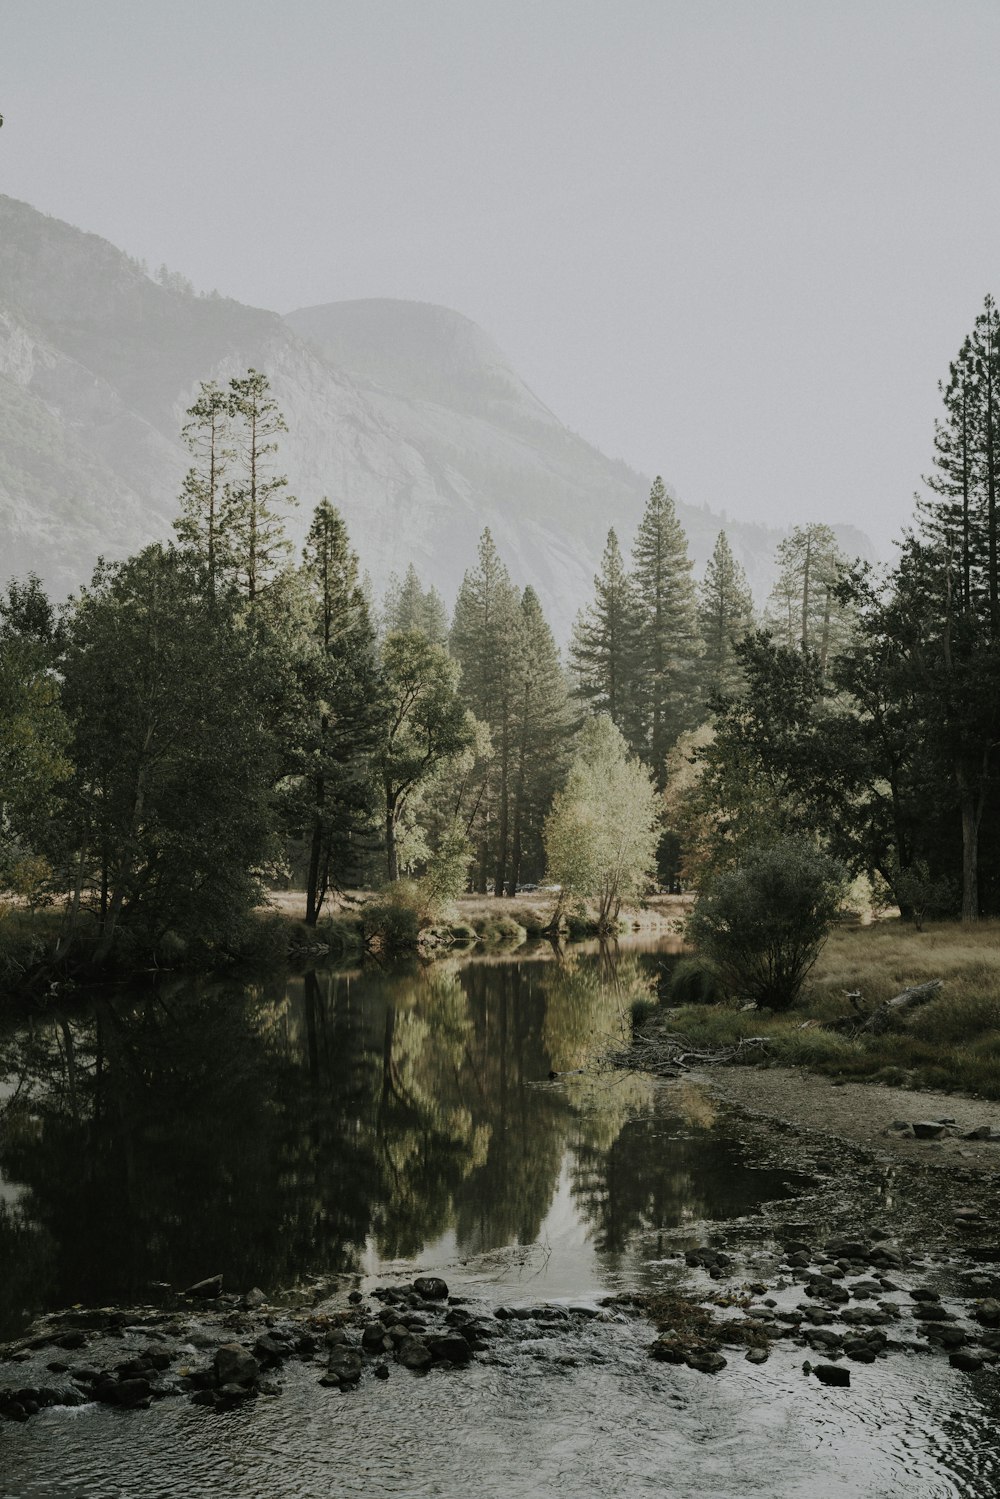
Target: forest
[{"x": 214, "y": 717}]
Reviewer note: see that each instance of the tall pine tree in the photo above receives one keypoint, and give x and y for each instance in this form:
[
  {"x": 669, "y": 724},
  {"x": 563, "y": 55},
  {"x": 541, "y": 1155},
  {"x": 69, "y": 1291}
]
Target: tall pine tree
[
  {"x": 604, "y": 648},
  {"x": 725, "y": 615},
  {"x": 669, "y": 644}
]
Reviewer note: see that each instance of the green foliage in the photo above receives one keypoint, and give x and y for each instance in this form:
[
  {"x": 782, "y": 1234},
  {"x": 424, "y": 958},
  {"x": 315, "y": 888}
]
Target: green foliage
[
  {"x": 695, "y": 982},
  {"x": 763, "y": 923},
  {"x": 605, "y": 645},
  {"x": 806, "y": 609},
  {"x": 426, "y": 726},
  {"x": 669, "y": 644},
  {"x": 602, "y": 832},
  {"x": 725, "y": 616},
  {"x": 409, "y": 606},
  {"x": 167, "y": 810}
]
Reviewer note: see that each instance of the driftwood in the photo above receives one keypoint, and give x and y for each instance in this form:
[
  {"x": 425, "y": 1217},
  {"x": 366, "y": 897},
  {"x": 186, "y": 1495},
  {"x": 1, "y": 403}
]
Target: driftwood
[
  {"x": 888, "y": 1014},
  {"x": 672, "y": 1055}
]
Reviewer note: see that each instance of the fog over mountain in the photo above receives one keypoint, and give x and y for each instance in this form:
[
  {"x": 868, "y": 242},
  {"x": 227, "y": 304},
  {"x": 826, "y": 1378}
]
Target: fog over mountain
[{"x": 405, "y": 414}]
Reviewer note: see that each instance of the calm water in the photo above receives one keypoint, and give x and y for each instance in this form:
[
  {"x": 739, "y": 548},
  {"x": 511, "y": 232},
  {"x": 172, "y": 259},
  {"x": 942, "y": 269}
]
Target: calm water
[{"x": 345, "y": 1127}]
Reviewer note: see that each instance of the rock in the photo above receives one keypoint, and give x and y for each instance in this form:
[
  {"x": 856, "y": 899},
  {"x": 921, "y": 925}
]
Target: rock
[
  {"x": 451, "y": 1347},
  {"x": 968, "y": 1362},
  {"x": 233, "y": 1394},
  {"x": 413, "y": 1353},
  {"x": 924, "y": 1293},
  {"x": 375, "y": 1339},
  {"x": 988, "y": 1312},
  {"x": 253, "y": 1299},
  {"x": 355, "y": 1298},
  {"x": 706, "y": 1361},
  {"x": 982, "y": 1132},
  {"x": 930, "y": 1311},
  {"x": 205, "y": 1397},
  {"x": 927, "y": 1129},
  {"x": 234, "y": 1365},
  {"x": 208, "y": 1289},
  {"x": 381, "y": 1371},
  {"x": 344, "y": 1365},
  {"x": 269, "y": 1349},
  {"x": 847, "y": 1249},
  {"x": 74, "y": 1339},
  {"x": 757, "y": 1355},
  {"x": 133, "y": 1394},
  {"x": 832, "y": 1374},
  {"x": 431, "y": 1288}
]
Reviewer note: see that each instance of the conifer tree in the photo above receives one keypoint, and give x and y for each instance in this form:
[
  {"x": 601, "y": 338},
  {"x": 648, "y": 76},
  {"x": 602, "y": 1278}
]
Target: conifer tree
[
  {"x": 604, "y": 647},
  {"x": 543, "y": 733},
  {"x": 486, "y": 639},
  {"x": 201, "y": 525},
  {"x": 725, "y": 615},
  {"x": 342, "y": 708},
  {"x": 409, "y": 606},
  {"x": 805, "y": 611},
  {"x": 253, "y": 521},
  {"x": 669, "y": 645}
]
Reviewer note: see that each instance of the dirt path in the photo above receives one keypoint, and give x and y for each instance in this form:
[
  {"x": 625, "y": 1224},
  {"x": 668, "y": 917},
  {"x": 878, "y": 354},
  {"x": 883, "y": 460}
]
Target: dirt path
[{"x": 864, "y": 1113}]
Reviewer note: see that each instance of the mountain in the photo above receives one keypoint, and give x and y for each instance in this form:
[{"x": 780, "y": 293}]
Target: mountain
[{"x": 405, "y": 414}]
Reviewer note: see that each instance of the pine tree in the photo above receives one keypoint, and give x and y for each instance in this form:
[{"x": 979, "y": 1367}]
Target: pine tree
[
  {"x": 543, "y": 734},
  {"x": 253, "y": 521},
  {"x": 409, "y": 606},
  {"x": 486, "y": 639},
  {"x": 805, "y": 611},
  {"x": 725, "y": 615},
  {"x": 343, "y": 708},
  {"x": 201, "y": 526},
  {"x": 669, "y": 645},
  {"x": 604, "y": 647}
]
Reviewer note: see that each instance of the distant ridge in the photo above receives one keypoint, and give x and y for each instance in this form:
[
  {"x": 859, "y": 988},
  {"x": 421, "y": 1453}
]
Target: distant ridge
[{"x": 405, "y": 414}]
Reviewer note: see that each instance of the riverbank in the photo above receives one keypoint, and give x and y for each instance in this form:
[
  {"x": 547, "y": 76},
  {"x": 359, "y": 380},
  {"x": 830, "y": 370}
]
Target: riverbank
[{"x": 950, "y": 1044}]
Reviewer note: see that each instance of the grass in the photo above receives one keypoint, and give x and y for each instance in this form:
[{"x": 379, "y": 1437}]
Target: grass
[{"x": 950, "y": 1044}]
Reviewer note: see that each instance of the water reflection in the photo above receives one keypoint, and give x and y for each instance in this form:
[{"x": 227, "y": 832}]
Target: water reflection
[{"x": 278, "y": 1131}]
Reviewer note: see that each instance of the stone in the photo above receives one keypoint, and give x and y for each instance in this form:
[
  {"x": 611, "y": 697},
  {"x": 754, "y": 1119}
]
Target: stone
[
  {"x": 927, "y": 1129},
  {"x": 375, "y": 1339},
  {"x": 431, "y": 1288},
  {"x": 344, "y": 1365},
  {"x": 967, "y": 1362},
  {"x": 133, "y": 1394},
  {"x": 205, "y": 1397},
  {"x": 381, "y": 1371},
  {"x": 924, "y": 1293},
  {"x": 254, "y": 1299},
  {"x": 413, "y": 1353},
  {"x": 988, "y": 1312},
  {"x": 706, "y": 1361},
  {"x": 234, "y": 1365},
  {"x": 832, "y": 1374},
  {"x": 757, "y": 1355},
  {"x": 451, "y": 1347},
  {"x": 355, "y": 1298}
]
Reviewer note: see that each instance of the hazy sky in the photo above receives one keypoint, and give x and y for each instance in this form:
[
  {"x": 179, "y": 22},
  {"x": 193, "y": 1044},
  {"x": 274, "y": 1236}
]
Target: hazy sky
[{"x": 734, "y": 241}]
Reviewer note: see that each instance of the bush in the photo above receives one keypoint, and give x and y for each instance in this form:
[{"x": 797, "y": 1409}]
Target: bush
[
  {"x": 391, "y": 921},
  {"x": 695, "y": 982},
  {"x": 762, "y": 924}
]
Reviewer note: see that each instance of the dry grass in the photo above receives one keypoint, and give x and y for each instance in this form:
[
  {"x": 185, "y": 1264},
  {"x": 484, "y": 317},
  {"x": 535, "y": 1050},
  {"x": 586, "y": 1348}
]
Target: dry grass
[{"x": 952, "y": 1043}]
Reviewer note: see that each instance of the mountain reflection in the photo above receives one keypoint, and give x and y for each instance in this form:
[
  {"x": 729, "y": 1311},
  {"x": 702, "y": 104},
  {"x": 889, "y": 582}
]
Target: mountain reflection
[{"x": 274, "y": 1131}]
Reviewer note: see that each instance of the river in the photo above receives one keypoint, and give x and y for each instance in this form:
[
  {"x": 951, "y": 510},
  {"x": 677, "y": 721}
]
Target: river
[{"x": 342, "y": 1129}]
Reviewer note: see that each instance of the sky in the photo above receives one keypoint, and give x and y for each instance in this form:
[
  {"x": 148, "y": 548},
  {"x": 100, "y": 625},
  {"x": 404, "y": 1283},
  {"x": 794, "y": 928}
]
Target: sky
[{"x": 735, "y": 242}]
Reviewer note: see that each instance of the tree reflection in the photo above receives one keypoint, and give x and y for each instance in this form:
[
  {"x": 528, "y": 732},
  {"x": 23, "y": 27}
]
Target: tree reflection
[{"x": 270, "y": 1132}]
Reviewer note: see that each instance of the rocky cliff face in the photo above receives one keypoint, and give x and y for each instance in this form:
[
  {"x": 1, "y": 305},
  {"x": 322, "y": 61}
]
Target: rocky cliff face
[{"x": 406, "y": 415}]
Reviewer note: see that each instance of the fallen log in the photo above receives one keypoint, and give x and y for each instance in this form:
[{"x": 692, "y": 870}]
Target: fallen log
[{"x": 891, "y": 1012}]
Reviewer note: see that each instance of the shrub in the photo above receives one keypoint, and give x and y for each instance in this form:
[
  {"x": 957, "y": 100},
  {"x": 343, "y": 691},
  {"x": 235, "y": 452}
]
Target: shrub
[
  {"x": 695, "y": 982},
  {"x": 762, "y": 924}
]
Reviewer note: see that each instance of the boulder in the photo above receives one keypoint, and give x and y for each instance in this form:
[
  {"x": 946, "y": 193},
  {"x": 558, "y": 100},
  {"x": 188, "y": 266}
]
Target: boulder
[
  {"x": 451, "y": 1348},
  {"x": 413, "y": 1353},
  {"x": 234, "y": 1365},
  {"x": 431, "y": 1288},
  {"x": 832, "y": 1374}
]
